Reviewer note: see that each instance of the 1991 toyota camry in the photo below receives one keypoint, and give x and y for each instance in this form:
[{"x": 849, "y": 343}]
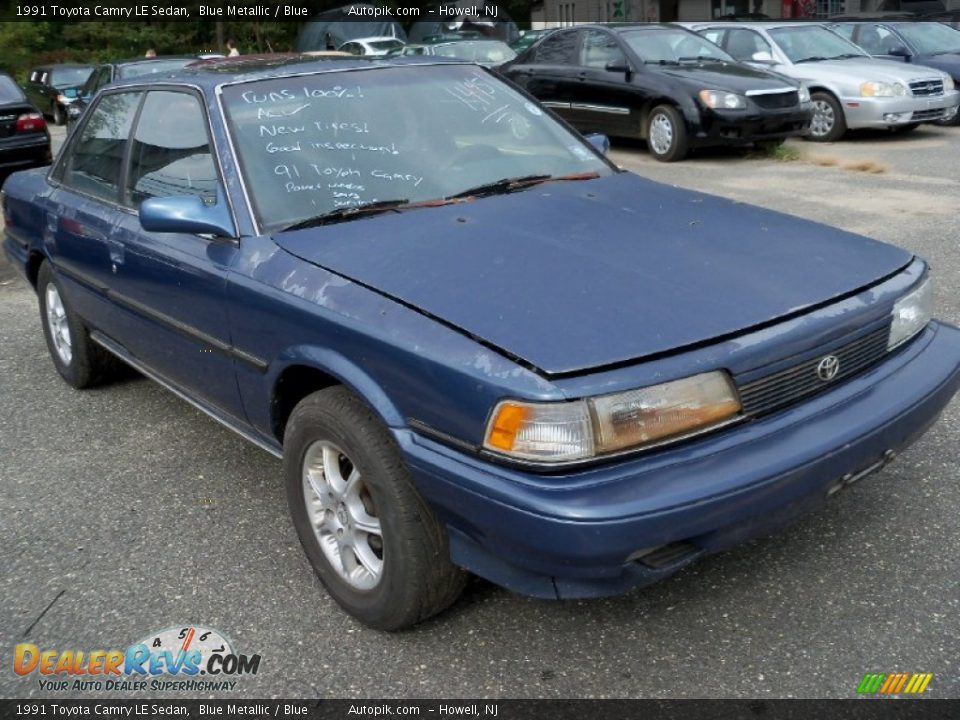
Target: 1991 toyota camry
[{"x": 476, "y": 344}]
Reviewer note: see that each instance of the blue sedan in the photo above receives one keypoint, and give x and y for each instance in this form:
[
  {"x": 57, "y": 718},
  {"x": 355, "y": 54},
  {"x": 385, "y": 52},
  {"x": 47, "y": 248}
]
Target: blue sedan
[{"x": 476, "y": 344}]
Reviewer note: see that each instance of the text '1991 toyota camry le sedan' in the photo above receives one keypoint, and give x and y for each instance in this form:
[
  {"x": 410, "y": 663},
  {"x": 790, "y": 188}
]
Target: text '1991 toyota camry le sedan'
[{"x": 476, "y": 344}]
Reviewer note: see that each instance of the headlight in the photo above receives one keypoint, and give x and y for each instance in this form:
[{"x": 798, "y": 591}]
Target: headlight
[
  {"x": 804, "y": 94},
  {"x": 948, "y": 83},
  {"x": 719, "y": 100},
  {"x": 911, "y": 313},
  {"x": 882, "y": 89},
  {"x": 567, "y": 431}
]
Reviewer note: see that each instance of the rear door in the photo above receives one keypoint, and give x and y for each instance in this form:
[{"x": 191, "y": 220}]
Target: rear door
[{"x": 552, "y": 71}]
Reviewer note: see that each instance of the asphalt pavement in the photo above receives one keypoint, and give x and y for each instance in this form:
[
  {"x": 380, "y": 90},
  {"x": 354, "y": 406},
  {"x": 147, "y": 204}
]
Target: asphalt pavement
[{"x": 124, "y": 511}]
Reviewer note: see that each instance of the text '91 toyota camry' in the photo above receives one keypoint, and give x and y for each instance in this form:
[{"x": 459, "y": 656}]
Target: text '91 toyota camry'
[{"x": 477, "y": 345}]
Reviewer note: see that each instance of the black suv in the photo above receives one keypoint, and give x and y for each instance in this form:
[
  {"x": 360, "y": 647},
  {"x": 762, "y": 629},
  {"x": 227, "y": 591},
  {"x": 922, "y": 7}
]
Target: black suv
[
  {"x": 53, "y": 88},
  {"x": 660, "y": 83}
]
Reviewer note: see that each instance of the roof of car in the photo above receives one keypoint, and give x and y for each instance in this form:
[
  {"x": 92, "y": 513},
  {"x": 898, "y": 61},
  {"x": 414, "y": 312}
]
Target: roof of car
[
  {"x": 247, "y": 68},
  {"x": 147, "y": 60},
  {"x": 53, "y": 66}
]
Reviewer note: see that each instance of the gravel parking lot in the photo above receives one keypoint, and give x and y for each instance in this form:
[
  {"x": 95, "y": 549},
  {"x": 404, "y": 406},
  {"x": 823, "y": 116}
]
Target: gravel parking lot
[{"x": 126, "y": 511}]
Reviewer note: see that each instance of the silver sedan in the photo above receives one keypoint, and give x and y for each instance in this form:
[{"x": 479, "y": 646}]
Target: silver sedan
[{"x": 849, "y": 88}]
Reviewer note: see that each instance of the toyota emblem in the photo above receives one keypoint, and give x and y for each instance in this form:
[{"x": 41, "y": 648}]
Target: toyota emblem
[{"x": 828, "y": 368}]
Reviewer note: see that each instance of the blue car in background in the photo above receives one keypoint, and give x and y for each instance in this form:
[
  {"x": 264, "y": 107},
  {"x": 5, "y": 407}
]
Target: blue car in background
[{"x": 476, "y": 344}]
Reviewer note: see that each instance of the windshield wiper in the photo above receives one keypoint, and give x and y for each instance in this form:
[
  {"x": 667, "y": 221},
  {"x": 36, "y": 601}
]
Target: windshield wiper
[
  {"x": 846, "y": 56},
  {"x": 349, "y": 213},
  {"x": 508, "y": 185},
  {"x": 812, "y": 58}
]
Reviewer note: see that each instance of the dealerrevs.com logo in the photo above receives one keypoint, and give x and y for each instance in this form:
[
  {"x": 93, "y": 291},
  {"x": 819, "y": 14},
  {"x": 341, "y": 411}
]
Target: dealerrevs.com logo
[{"x": 187, "y": 658}]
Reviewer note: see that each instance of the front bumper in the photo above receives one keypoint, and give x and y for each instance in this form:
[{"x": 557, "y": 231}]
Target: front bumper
[
  {"x": 577, "y": 535},
  {"x": 732, "y": 127},
  {"x": 863, "y": 112}
]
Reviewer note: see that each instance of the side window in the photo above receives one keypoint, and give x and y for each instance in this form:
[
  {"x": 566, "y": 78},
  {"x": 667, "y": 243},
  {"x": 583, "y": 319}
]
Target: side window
[
  {"x": 876, "y": 39},
  {"x": 714, "y": 35},
  {"x": 742, "y": 44},
  {"x": 171, "y": 150},
  {"x": 599, "y": 49},
  {"x": 560, "y": 48},
  {"x": 101, "y": 78},
  {"x": 95, "y": 159}
]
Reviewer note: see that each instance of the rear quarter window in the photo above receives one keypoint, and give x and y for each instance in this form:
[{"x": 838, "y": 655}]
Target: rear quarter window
[{"x": 9, "y": 90}]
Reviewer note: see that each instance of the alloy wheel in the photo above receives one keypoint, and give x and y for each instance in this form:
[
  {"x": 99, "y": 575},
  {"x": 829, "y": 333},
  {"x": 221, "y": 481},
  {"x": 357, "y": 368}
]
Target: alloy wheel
[
  {"x": 58, "y": 325},
  {"x": 661, "y": 134},
  {"x": 823, "y": 119},
  {"x": 343, "y": 515}
]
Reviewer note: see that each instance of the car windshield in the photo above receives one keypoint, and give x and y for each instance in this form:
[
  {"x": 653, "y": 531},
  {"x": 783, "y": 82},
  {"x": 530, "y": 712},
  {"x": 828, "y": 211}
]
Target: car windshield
[
  {"x": 154, "y": 66},
  {"x": 672, "y": 46},
  {"x": 310, "y": 145},
  {"x": 931, "y": 38},
  {"x": 9, "y": 90},
  {"x": 813, "y": 43},
  {"x": 484, "y": 51},
  {"x": 69, "y": 77}
]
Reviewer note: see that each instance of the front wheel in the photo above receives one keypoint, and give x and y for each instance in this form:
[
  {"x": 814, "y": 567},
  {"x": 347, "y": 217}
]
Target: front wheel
[
  {"x": 828, "y": 123},
  {"x": 373, "y": 542},
  {"x": 59, "y": 115},
  {"x": 667, "y": 134}
]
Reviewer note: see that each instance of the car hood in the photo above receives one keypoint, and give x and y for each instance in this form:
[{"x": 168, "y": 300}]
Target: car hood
[
  {"x": 866, "y": 70},
  {"x": 948, "y": 63},
  {"x": 568, "y": 277},
  {"x": 733, "y": 77}
]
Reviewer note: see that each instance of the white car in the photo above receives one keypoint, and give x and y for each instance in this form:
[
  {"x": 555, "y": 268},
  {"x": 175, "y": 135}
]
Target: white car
[
  {"x": 371, "y": 46},
  {"x": 849, "y": 88}
]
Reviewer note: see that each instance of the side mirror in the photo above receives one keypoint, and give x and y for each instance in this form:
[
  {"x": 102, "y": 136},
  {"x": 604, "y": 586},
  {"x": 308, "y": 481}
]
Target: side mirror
[
  {"x": 619, "y": 66},
  {"x": 600, "y": 141},
  {"x": 899, "y": 51},
  {"x": 762, "y": 56},
  {"x": 187, "y": 214}
]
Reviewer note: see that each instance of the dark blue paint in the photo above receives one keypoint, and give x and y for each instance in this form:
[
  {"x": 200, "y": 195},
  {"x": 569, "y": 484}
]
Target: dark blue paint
[{"x": 570, "y": 277}]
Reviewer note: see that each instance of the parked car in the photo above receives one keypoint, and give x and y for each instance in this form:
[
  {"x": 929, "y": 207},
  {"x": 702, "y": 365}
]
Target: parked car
[
  {"x": 581, "y": 382},
  {"x": 24, "y": 138},
  {"x": 111, "y": 72},
  {"x": 660, "y": 83},
  {"x": 371, "y": 46},
  {"x": 489, "y": 53},
  {"x": 930, "y": 44},
  {"x": 53, "y": 88},
  {"x": 850, "y": 89}
]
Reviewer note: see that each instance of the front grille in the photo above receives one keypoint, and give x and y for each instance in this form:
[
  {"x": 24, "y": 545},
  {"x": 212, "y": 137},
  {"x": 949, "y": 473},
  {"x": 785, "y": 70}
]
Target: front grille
[
  {"x": 776, "y": 101},
  {"x": 789, "y": 386},
  {"x": 927, "y": 115},
  {"x": 926, "y": 88}
]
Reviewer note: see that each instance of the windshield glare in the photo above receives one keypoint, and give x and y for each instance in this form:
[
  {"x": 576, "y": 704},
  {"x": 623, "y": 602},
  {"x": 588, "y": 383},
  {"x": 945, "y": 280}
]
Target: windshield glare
[
  {"x": 931, "y": 37},
  {"x": 68, "y": 77},
  {"x": 487, "y": 51},
  {"x": 671, "y": 46},
  {"x": 806, "y": 43},
  {"x": 312, "y": 144}
]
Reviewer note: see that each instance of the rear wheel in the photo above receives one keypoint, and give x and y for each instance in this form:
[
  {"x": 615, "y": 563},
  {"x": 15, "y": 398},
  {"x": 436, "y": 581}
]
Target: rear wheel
[
  {"x": 379, "y": 550},
  {"x": 79, "y": 360},
  {"x": 828, "y": 123},
  {"x": 667, "y": 134}
]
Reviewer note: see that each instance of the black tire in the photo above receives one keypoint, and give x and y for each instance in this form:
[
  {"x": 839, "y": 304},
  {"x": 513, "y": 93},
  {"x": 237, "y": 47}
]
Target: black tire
[
  {"x": 955, "y": 120},
  {"x": 678, "y": 146},
  {"x": 89, "y": 364},
  {"x": 904, "y": 129},
  {"x": 58, "y": 113},
  {"x": 837, "y": 127},
  {"x": 417, "y": 578}
]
